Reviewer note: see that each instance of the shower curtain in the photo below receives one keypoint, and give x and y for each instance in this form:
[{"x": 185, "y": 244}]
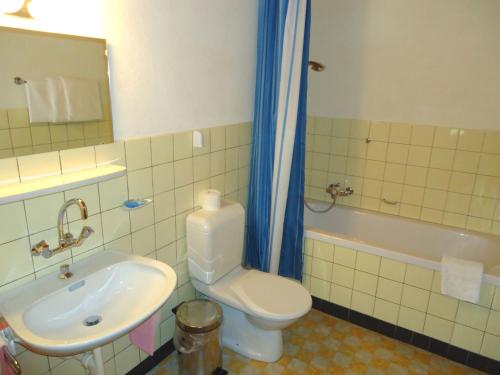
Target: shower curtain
[{"x": 276, "y": 191}]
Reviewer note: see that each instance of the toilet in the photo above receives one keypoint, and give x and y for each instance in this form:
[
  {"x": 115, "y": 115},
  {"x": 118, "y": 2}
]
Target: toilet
[{"x": 257, "y": 306}]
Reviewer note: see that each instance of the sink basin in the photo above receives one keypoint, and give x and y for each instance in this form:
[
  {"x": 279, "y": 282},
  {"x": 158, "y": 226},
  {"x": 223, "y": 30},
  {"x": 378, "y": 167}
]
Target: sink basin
[{"x": 109, "y": 294}]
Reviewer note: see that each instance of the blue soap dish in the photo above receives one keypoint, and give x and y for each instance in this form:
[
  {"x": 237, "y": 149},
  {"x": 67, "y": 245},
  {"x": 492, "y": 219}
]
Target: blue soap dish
[{"x": 133, "y": 204}]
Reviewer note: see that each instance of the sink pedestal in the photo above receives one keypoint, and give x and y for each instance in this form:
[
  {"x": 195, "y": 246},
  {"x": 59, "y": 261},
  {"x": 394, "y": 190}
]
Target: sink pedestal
[{"x": 93, "y": 361}]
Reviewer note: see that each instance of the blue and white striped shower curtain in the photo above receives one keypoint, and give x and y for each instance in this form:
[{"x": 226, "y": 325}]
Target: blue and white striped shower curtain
[{"x": 276, "y": 192}]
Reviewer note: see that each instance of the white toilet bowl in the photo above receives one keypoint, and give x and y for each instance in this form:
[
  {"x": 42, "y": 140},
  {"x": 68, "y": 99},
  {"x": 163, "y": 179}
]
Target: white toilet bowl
[{"x": 256, "y": 307}]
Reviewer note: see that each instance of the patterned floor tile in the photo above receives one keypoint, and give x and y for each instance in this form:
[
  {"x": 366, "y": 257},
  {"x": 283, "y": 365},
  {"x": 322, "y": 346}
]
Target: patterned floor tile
[{"x": 321, "y": 344}]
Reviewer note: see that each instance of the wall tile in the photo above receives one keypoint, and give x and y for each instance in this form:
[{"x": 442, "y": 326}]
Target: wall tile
[
  {"x": 183, "y": 145},
  {"x": 418, "y": 276},
  {"x": 321, "y": 269},
  {"x": 422, "y": 135},
  {"x": 19, "y": 264},
  {"x": 492, "y": 142},
  {"x": 368, "y": 263},
  {"x": 415, "y": 298},
  {"x": 77, "y": 159},
  {"x": 389, "y": 290},
  {"x": 470, "y": 140},
  {"x": 163, "y": 178},
  {"x": 144, "y": 241},
  {"x": 490, "y": 346},
  {"x": 113, "y": 193},
  {"x": 446, "y": 137},
  {"x": 40, "y": 165},
  {"x": 10, "y": 171},
  {"x": 344, "y": 256},
  {"x": 365, "y": 282},
  {"x": 467, "y": 338},
  {"x": 112, "y": 153},
  {"x": 362, "y": 302},
  {"x": 340, "y": 295},
  {"x": 411, "y": 319},
  {"x": 438, "y": 328},
  {"x": 320, "y": 288},
  {"x": 140, "y": 183},
  {"x": 115, "y": 224},
  {"x": 162, "y": 149},
  {"x": 42, "y": 212},
  {"x": 343, "y": 276},
  {"x": 392, "y": 269},
  {"x": 218, "y": 139},
  {"x": 443, "y": 306},
  {"x": 184, "y": 198},
  {"x": 15, "y": 227},
  {"x": 325, "y": 251},
  {"x": 138, "y": 153},
  {"x": 493, "y": 325},
  {"x": 386, "y": 311},
  {"x": 143, "y": 217},
  {"x": 472, "y": 315},
  {"x": 183, "y": 172}
]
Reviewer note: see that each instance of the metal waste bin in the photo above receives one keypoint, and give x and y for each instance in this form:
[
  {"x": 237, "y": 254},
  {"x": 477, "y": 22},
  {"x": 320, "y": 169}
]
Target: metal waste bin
[{"x": 197, "y": 337}]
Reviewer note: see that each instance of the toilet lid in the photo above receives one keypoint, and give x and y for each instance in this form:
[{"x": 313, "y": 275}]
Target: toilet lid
[{"x": 272, "y": 296}]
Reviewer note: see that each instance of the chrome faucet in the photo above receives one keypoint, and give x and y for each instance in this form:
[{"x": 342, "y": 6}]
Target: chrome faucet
[
  {"x": 66, "y": 240},
  {"x": 335, "y": 191}
]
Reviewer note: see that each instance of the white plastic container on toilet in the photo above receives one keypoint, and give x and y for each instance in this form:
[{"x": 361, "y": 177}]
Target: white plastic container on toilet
[{"x": 256, "y": 305}]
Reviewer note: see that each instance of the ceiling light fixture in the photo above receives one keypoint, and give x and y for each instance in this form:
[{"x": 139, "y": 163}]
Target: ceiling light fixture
[{"x": 18, "y": 8}]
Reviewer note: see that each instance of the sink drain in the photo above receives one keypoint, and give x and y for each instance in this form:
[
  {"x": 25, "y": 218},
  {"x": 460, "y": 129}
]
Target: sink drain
[{"x": 92, "y": 320}]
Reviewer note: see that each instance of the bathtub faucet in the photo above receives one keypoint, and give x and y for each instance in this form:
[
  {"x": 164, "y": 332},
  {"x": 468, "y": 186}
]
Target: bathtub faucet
[{"x": 335, "y": 191}]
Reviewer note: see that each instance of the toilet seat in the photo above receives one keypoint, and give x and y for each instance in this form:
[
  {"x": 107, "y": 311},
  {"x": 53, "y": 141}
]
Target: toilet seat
[{"x": 260, "y": 294}]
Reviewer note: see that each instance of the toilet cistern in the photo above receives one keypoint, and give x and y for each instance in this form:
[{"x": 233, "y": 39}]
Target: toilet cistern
[{"x": 66, "y": 240}]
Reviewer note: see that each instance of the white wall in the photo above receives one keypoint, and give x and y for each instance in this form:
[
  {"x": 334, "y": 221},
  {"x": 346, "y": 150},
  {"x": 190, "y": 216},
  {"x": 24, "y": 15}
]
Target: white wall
[
  {"x": 433, "y": 62},
  {"x": 181, "y": 64},
  {"x": 175, "y": 64}
]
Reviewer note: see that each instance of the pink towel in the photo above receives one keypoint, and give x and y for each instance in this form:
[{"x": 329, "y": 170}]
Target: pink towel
[
  {"x": 144, "y": 336},
  {"x": 5, "y": 366}
]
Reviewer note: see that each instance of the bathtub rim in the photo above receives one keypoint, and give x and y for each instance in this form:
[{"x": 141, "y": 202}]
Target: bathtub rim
[{"x": 491, "y": 276}]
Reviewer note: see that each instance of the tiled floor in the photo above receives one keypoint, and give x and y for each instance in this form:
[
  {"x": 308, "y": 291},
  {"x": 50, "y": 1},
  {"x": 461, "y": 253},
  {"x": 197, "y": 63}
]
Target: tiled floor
[{"x": 321, "y": 344}]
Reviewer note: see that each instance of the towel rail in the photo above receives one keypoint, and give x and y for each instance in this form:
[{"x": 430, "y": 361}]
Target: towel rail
[
  {"x": 13, "y": 363},
  {"x": 19, "y": 81}
]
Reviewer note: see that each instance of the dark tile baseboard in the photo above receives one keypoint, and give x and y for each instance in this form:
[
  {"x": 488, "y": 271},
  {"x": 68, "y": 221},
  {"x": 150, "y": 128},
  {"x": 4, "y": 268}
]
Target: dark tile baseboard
[
  {"x": 443, "y": 349},
  {"x": 149, "y": 363}
]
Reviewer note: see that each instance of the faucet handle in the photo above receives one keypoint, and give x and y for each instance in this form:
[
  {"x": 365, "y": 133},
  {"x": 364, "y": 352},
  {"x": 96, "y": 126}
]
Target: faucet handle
[
  {"x": 63, "y": 268},
  {"x": 86, "y": 232},
  {"x": 64, "y": 272},
  {"x": 41, "y": 248}
]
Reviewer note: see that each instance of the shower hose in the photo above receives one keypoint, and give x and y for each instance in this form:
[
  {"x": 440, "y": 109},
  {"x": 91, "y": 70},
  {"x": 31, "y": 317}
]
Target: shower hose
[{"x": 334, "y": 198}]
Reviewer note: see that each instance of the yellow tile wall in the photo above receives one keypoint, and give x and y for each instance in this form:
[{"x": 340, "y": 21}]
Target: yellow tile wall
[
  {"x": 442, "y": 175},
  {"x": 402, "y": 294},
  {"x": 165, "y": 168},
  {"x": 18, "y": 137}
]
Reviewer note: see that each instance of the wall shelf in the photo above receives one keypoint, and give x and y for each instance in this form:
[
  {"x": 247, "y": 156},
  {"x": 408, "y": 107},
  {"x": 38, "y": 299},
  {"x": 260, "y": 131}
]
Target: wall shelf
[{"x": 53, "y": 184}]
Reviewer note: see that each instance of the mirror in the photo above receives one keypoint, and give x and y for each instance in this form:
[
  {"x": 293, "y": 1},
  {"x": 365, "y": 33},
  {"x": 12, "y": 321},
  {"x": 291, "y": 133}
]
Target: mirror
[{"x": 60, "y": 98}]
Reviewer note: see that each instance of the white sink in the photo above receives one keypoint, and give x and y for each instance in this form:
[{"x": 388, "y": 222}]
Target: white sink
[{"x": 115, "y": 290}]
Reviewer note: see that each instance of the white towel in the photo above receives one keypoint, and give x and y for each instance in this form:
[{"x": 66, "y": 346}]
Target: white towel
[
  {"x": 461, "y": 278},
  {"x": 83, "y": 100},
  {"x": 45, "y": 99}
]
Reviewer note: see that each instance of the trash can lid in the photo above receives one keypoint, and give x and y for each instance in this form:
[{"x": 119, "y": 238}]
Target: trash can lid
[{"x": 199, "y": 316}]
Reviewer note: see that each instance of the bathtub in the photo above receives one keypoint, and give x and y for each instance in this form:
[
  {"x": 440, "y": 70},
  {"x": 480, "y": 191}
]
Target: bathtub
[{"x": 405, "y": 240}]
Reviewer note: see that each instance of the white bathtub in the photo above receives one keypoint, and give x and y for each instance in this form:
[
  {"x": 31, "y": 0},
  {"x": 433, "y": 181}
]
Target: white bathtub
[{"x": 406, "y": 240}]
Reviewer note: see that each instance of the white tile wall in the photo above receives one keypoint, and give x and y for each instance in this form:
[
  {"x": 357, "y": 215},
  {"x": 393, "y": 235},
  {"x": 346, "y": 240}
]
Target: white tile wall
[{"x": 162, "y": 168}]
